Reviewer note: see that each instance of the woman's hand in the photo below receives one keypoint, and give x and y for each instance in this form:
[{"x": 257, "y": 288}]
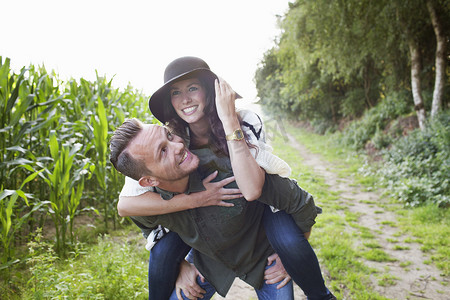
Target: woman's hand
[
  {"x": 276, "y": 273},
  {"x": 216, "y": 192},
  {"x": 187, "y": 282},
  {"x": 225, "y": 101}
]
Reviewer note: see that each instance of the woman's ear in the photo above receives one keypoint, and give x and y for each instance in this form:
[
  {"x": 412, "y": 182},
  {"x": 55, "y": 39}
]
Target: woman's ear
[{"x": 148, "y": 181}]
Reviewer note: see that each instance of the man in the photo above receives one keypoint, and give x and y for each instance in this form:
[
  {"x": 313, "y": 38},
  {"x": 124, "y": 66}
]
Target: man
[{"x": 228, "y": 242}]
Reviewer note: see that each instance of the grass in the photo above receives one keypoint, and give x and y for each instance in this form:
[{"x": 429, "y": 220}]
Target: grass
[
  {"x": 372, "y": 245},
  {"x": 336, "y": 236},
  {"x": 431, "y": 227},
  {"x": 405, "y": 264},
  {"x": 331, "y": 237},
  {"x": 389, "y": 223},
  {"x": 398, "y": 247},
  {"x": 386, "y": 280},
  {"x": 392, "y": 241},
  {"x": 113, "y": 268},
  {"x": 377, "y": 255}
]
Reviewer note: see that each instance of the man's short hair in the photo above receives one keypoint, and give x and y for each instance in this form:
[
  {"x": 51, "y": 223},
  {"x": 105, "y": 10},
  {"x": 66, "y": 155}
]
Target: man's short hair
[{"x": 120, "y": 156}]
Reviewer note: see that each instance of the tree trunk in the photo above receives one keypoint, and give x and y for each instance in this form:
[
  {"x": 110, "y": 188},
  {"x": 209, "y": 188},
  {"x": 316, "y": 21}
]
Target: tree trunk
[
  {"x": 415, "y": 82},
  {"x": 367, "y": 82},
  {"x": 439, "y": 83}
]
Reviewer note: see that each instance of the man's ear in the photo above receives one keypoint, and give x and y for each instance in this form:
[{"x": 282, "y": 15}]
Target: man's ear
[{"x": 148, "y": 181}]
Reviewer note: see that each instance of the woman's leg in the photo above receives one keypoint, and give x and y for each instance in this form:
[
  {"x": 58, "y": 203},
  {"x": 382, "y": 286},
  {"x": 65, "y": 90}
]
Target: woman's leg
[
  {"x": 163, "y": 266},
  {"x": 296, "y": 253}
]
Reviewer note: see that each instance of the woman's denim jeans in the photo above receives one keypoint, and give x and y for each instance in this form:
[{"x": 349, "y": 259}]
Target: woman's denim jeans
[
  {"x": 296, "y": 253},
  {"x": 163, "y": 266},
  {"x": 267, "y": 291}
]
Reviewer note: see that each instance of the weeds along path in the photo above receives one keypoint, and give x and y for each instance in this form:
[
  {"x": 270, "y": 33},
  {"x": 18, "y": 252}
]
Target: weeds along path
[{"x": 407, "y": 276}]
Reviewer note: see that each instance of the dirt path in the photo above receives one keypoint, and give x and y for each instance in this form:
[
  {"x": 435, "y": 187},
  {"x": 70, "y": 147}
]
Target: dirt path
[{"x": 417, "y": 281}]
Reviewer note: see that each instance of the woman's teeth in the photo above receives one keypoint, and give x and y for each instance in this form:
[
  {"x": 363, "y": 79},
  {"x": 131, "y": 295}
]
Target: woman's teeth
[{"x": 189, "y": 109}]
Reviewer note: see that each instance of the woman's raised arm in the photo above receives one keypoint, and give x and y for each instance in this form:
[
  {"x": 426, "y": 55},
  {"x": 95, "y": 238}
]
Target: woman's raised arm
[{"x": 249, "y": 175}]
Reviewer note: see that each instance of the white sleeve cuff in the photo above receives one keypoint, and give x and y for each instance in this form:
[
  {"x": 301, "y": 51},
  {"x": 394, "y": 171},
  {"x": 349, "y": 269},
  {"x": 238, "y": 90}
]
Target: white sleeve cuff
[{"x": 133, "y": 188}]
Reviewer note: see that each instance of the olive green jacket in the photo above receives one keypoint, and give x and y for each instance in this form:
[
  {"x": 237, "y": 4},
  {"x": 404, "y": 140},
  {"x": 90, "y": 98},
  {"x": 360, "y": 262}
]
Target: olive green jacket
[{"x": 230, "y": 242}]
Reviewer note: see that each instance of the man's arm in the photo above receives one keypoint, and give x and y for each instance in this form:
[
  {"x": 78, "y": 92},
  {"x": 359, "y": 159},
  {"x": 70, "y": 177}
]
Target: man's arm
[{"x": 285, "y": 194}]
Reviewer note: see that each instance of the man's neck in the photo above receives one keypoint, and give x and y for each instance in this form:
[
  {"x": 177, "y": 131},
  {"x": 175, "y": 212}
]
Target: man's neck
[{"x": 178, "y": 186}]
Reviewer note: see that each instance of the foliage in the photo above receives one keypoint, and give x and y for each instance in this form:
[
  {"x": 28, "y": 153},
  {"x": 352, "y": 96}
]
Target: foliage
[
  {"x": 53, "y": 138},
  {"x": 107, "y": 270},
  {"x": 417, "y": 166},
  {"x": 8, "y": 199},
  {"x": 42, "y": 261},
  {"x": 334, "y": 60},
  {"x": 66, "y": 185},
  {"x": 374, "y": 121}
]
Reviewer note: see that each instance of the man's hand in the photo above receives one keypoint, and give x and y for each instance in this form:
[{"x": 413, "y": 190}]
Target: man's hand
[
  {"x": 215, "y": 192},
  {"x": 307, "y": 234},
  {"x": 187, "y": 282},
  {"x": 276, "y": 273}
]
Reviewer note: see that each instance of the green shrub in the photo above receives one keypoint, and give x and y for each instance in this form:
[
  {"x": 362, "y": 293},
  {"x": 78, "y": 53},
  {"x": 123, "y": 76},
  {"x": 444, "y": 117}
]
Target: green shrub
[
  {"x": 108, "y": 270},
  {"x": 374, "y": 121},
  {"x": 322, "y": 126},
  {"x": 417, "y": 166},
  {"x": 381, "y": 140}
]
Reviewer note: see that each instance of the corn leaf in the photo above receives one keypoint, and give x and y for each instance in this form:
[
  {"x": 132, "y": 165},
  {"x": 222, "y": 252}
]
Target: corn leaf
[{"x": 54, "y": 146}]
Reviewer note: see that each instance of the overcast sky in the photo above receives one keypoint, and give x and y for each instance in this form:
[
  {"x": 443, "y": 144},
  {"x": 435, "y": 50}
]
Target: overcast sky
[{"x": 134, "y": 40}]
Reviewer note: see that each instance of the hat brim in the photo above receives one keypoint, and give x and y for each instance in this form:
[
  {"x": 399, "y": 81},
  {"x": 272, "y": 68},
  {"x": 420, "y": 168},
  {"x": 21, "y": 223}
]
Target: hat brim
[{"x": 160, "y": 104}]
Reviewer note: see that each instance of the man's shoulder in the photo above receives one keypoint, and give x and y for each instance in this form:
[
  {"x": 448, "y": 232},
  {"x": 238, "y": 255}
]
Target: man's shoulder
[{"x": 279, "y": 184}]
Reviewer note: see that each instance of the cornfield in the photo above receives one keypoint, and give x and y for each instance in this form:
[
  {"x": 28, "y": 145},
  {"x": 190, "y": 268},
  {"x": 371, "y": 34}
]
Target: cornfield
[{"x": 54, "y": 153}]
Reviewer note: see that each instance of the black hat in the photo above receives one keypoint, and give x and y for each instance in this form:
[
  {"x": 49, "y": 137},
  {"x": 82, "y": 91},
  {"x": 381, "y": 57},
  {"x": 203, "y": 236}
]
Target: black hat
[{"x": 183, "y": 67}]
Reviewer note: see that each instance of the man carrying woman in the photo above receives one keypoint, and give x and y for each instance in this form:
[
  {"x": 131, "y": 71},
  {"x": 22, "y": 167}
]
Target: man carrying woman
[{"x": 200, "y": 108}]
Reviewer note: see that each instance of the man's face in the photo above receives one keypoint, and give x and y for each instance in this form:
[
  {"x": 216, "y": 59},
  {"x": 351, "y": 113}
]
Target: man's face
[{"x": 164, "y": 154}]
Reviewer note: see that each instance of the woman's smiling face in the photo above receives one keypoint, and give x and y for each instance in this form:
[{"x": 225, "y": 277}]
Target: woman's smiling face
[{"x": 188, "y": 98}]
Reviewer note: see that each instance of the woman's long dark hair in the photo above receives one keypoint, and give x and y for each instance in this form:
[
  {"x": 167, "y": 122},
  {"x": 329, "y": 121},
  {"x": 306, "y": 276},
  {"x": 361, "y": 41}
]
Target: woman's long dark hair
[{"x": 217, "y": 137}]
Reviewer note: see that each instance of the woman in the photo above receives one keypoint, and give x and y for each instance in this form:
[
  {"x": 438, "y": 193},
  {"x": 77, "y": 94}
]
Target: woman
[{"x": 201, "y": 109}]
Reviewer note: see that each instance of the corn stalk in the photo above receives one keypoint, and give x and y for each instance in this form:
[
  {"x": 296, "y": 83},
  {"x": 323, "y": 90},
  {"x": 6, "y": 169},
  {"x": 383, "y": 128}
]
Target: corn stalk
[
  {"x": 61, "y": 128},
  {"x": 11, "y": 221},
  {"x": 65, "y": 187}
]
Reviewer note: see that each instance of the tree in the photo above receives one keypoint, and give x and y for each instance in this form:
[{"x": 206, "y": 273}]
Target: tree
[
  {"x": 365, "y": 50},
  {"x": 441, "y": 61}
]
